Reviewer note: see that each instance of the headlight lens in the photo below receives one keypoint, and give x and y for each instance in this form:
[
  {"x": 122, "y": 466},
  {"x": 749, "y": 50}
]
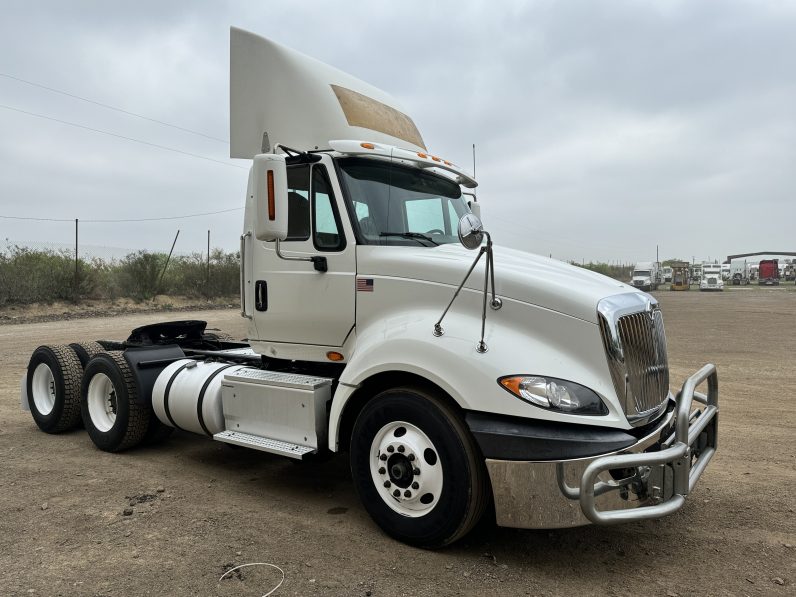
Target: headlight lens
[{"x": 554, "y": 394}]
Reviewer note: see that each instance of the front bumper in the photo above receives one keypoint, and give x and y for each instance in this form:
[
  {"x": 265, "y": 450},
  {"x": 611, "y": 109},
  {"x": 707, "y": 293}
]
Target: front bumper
[{"x": 649, "y": 479}]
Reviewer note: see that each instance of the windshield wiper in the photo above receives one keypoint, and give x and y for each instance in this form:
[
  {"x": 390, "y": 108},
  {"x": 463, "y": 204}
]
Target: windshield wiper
[{"x": 413, "y": 235}]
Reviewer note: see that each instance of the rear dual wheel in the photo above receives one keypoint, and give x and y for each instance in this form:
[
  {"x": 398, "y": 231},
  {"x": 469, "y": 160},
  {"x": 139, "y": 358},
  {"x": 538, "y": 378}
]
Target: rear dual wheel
[
  {"x": 53, "y": 387},
  {"x": 114, "y": 417},
  {"x": 417, "y": 468}
]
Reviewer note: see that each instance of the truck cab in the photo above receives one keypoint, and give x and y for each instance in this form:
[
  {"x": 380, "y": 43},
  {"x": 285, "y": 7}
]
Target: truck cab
[
  {"x": 711, "y": 278},
  {"x": 646, "y": 275}
]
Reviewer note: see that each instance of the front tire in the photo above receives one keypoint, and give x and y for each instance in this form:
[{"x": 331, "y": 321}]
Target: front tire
[
  {"x": 114, "y": 418},
  {"x": 409, "y": 441},
  {"x": 53, "y": 387}
]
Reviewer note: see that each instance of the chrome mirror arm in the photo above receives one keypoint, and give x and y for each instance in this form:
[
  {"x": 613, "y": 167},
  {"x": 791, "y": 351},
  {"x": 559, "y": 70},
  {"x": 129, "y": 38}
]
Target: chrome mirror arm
[
  {"x": 318, "y": 261},
  {"x": 489, "y": 276}
]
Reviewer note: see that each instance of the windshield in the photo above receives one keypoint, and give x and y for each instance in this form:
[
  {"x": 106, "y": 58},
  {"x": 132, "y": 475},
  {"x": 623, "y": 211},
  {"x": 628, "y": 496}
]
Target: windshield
[
  {"x": 641, "y": 272},
  {"x": 398, "y": 205}
]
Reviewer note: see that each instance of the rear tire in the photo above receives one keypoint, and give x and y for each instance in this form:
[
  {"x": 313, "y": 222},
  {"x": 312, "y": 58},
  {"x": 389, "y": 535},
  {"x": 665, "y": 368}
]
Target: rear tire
[
  {"x": 114, "y": 418},
  {"x": 85, "y": 351},
  {"x": 53, "y": 387},
  {"x": 410, "y": 441}
]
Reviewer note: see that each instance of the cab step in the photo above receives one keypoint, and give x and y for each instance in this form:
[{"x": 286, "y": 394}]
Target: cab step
[{"x": 264, "y": 444}]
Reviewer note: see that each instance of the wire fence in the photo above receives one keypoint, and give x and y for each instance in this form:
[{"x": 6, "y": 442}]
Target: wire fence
[{"x": 43, "y": 271}]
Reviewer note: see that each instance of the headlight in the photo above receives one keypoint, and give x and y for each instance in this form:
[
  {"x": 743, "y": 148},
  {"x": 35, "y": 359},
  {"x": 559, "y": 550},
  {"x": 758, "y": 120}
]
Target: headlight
[{"x": 554, "y": 394}]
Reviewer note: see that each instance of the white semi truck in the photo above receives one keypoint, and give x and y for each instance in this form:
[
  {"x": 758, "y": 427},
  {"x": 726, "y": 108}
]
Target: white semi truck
[
  {"x": 456, "y": 381},
  {"x": 647, "y": 275},
  {"x": 711, "y": 277}
]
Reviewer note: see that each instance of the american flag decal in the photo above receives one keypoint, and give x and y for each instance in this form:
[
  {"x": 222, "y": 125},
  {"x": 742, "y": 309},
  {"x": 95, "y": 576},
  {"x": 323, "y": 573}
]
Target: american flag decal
[{"x": 364, "y": 284}]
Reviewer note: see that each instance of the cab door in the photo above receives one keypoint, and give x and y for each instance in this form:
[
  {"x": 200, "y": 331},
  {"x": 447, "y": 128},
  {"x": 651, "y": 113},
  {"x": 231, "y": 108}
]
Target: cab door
[{"x": 293, "y": 301}]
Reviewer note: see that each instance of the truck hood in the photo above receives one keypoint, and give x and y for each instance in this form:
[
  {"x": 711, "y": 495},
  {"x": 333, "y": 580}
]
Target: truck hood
[{"x": 521, "y": 276}]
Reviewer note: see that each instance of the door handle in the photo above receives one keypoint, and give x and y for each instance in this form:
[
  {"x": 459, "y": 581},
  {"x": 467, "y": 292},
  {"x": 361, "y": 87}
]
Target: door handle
[{"x": 261, "y": 295}]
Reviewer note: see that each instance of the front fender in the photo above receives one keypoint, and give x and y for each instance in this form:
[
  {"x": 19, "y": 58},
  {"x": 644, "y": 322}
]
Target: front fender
[{"x": 521, "y": 339}]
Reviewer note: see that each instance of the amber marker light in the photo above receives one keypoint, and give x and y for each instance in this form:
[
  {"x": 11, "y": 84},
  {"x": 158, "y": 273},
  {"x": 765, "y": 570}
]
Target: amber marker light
[
  {"x": 422, "y": 155},
  {"x": 368, "y": 145},
  {"x": 271, "y": 199},
  {"x": 512, "y": 384},
  {"x": 334, "y": 356}
]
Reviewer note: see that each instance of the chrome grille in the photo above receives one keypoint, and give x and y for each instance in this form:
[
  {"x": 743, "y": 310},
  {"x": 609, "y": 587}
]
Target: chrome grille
[{"x": 635, "y": 344}]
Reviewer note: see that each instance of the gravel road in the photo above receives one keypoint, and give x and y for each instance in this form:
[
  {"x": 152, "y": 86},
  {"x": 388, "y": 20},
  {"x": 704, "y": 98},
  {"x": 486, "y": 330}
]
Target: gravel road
[{"x": 196, "y": 507}]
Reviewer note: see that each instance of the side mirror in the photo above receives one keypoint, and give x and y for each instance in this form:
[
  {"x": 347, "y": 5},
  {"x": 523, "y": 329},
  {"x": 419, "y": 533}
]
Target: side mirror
[
  {"x": 269, "y": 181},
  {"x": 471, "y": 231}
]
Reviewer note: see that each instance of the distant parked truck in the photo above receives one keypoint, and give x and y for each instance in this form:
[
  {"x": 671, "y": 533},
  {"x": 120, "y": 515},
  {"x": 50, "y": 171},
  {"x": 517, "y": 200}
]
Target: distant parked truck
[
  {"x": 790, "y": 272},
  {"x": 711, "y": 277},
  {"x": 725, "y": 271},
  {"x": 696, "y": 273},
  {"x": 647, "y": 275},
  {"x": 681, "y": 276},
  {"x": 768, "y": 272},
  {"x": 740, "y": 273},
  {"x": 667, "y": 274}
]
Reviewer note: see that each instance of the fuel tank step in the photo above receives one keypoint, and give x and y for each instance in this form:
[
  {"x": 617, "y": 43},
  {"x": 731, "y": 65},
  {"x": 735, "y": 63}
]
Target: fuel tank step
[{"x": 264, "y": 444}]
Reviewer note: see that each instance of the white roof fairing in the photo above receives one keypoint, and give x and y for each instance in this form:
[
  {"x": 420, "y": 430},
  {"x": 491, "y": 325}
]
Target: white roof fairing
[{"x": 303, "y": 103}]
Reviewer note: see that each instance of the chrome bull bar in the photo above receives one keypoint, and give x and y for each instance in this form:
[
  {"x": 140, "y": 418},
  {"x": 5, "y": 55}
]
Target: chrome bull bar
[{"x": 687, "y": 461}]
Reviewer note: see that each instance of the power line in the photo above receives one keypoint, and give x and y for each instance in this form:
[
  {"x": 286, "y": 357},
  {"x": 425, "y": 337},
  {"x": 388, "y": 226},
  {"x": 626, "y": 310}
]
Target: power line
[
  {"x": 207, "y": 213},
  {"x": 88, "y": 128},
  {"x": 109, "y": 107}
]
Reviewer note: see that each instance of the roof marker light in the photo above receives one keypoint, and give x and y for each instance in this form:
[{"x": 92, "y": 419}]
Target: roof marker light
[
  {"x": 422, "y": 155},
  {"x": 368, "y": 145}
]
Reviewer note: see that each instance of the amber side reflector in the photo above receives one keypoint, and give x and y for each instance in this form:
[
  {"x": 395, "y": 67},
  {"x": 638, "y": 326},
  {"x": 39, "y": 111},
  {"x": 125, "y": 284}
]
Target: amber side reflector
[
  {"x": 368, "y": 145},
  {"x": 271, "y": 199},
  {"x": 334, "y": 356}
]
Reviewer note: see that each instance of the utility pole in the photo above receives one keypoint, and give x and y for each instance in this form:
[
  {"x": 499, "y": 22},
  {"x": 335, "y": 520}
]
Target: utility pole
[
  {"x": 207, "y": 282},
  {"x": 77, "y": 274}
]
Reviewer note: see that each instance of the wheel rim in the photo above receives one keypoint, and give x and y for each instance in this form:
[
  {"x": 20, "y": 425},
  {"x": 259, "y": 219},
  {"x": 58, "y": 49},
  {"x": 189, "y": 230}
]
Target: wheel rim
[
  {"x": 43, "y": 387},
  {"x": 101, "y": 399},
  {"x": 404, "y": 460}
]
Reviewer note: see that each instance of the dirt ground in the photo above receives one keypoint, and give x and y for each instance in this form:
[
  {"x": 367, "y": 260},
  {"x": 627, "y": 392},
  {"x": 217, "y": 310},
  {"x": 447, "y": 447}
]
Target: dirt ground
[{"x": 200, "y": 507}]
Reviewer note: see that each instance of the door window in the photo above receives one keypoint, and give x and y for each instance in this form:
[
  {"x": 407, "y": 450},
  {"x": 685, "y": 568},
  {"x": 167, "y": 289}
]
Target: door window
[
  {"x": 298, "y": 203},
  {"x": 327, "y": 235}
]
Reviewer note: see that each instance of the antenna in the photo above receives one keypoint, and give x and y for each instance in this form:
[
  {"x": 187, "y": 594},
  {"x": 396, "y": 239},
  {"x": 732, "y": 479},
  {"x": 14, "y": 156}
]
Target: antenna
[{"x": 473, "y": 160}]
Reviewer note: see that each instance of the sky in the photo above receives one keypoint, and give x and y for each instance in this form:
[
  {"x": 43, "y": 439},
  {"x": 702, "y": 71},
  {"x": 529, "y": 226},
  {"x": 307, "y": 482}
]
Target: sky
[{"x": 602, "y": 129}]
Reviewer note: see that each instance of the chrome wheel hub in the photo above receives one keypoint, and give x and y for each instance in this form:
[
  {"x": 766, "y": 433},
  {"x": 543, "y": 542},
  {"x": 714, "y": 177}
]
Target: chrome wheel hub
[{"x": 405, "y": 467}]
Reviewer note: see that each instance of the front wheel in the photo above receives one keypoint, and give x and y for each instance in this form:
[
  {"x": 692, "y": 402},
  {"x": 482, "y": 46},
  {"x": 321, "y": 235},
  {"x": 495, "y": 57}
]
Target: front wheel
[{"x": 417, "y": 469}]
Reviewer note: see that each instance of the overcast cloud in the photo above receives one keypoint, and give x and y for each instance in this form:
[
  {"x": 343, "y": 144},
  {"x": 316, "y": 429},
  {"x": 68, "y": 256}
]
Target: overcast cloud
[{"x": 602, "y": 128}]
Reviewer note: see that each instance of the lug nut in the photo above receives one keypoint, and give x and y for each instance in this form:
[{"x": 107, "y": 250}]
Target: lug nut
[
  {"x": 415, "y": 485},
  {"x": 397, "y": 493},
  {"x": 383, "y": 457},
  {"x": 387, "y": 484},
  {"x": 382, "y": 470},
  {"x": 401, "y": 448},
  {"x": 411, "y": 457},
  {"x": 407, "y": 493},
  {"x": 390, "y": 449},
  {"x": 416, "y": 471}
]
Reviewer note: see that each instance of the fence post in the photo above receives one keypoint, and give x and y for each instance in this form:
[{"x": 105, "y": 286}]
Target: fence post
[{"x": 77, "y": 274}]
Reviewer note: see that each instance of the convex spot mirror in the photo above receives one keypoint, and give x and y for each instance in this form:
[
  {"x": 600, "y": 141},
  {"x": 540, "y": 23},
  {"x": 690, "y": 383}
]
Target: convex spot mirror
[
  {"x": 471, "y": 231},
  {"x": 268, "y": 186}
]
